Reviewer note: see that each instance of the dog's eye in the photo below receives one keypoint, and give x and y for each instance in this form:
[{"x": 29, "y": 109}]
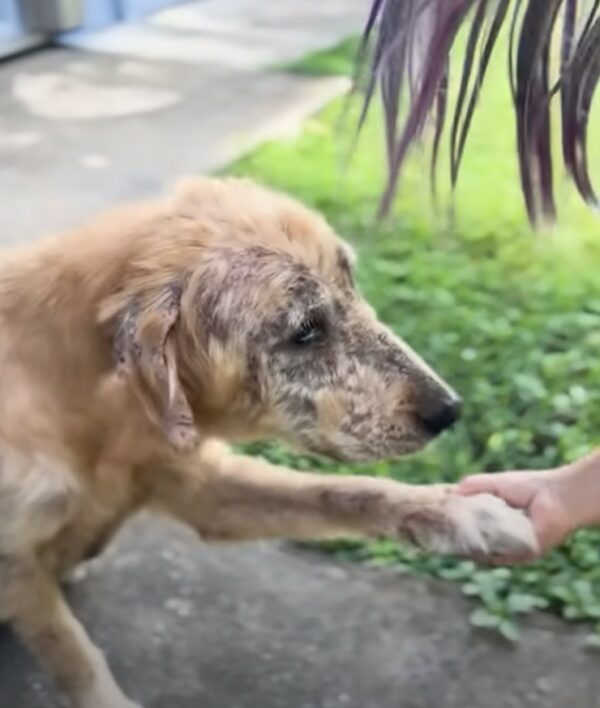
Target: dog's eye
[{"x": 311, "y": 331}]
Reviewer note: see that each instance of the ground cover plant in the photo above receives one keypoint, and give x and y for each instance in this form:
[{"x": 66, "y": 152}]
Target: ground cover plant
[{"x": 509, "y": 316}]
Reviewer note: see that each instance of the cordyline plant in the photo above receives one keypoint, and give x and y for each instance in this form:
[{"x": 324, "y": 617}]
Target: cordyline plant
[{"x": 406, "y": 51}]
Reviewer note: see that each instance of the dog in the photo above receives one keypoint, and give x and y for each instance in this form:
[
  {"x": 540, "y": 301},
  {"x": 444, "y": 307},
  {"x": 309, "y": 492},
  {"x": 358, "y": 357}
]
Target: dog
[{"x": 136, "y": 349}]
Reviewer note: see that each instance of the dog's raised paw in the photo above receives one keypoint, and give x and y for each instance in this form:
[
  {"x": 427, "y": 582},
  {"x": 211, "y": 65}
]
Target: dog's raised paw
[
  {"x": 487, "y": 526},
  {"x": 483, "y": 526}
]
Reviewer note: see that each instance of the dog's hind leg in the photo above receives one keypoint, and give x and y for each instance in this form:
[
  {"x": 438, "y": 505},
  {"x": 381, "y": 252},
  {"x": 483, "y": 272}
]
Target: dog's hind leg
[{"x": 33, "y": 605}]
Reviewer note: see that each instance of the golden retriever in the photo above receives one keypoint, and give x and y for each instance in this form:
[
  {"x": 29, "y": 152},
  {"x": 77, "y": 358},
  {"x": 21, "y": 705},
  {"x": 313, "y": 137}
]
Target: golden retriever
[{"x": 133, "y": 349}]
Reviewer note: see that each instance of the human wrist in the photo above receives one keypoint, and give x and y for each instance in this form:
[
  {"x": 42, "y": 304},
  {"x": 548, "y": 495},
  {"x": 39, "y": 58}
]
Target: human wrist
[{"x": 577, "y": 487}]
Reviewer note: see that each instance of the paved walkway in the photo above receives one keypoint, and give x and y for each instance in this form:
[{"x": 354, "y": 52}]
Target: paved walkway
[
  {"x": 243, "y": 34},
  {"x": 255, "y": 626},
  {"x": 186, "y": 92}
]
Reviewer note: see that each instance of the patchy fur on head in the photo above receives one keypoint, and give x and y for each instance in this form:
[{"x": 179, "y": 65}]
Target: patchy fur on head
[{"x": 274, "y": 340}]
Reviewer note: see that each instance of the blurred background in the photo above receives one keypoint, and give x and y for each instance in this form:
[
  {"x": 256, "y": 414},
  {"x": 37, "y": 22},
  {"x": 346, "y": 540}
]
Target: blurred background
[{"x": 103, "y": 101}]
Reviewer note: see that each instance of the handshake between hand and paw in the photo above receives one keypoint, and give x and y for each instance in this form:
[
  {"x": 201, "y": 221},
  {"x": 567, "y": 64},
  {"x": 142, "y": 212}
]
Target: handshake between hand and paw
[{"x": 556, "y": 502}]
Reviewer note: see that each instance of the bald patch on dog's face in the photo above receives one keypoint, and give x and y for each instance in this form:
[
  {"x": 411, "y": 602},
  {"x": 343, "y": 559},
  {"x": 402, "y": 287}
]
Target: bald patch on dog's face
[{"x": 316, "y": 367}]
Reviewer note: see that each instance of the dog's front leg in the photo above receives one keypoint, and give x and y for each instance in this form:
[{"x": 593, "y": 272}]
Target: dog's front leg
[
  {"x": 234, "y": 497},
  {"x": 35, "y": 608}
]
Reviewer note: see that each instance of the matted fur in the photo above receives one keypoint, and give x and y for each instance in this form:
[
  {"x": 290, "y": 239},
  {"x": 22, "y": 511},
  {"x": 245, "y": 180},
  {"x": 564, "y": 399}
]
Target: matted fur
[{"x": 133, "y": 349}]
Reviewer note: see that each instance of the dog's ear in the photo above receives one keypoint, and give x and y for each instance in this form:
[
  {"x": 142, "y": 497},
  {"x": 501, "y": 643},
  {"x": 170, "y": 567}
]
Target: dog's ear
[{"x": 145, "y": 349}]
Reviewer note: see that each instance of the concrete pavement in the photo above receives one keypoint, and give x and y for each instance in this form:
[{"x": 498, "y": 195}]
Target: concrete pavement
[
  {"x": 119, "y": 114},
  {"x": 260, "y": 626}
]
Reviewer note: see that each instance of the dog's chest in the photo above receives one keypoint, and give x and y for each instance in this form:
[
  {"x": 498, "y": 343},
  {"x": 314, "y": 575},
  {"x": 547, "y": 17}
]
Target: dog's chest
[
  {"x": 80, "y": 540},
  {"x": 98, "y": 516},
  {"x": 37, "y": 497}
]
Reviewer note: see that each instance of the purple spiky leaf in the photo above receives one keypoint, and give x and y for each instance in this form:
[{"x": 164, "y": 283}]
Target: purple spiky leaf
[
  {"x": 579, "y": 81},
  {"x": 413, "y": 41},
  {"x": 440, "y": 118},
  {"x": 532, "y": 107},
  {"x": 488, "y": 44},
  {"x": 448, "y": 18}
]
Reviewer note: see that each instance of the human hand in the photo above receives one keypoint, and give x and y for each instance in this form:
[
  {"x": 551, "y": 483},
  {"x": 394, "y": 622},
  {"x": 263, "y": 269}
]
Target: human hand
[{"x": 539, "y": 494}]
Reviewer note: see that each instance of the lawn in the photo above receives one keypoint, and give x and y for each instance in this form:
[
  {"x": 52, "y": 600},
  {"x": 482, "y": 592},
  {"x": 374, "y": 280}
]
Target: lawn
[{"x": 510, "y": 317}]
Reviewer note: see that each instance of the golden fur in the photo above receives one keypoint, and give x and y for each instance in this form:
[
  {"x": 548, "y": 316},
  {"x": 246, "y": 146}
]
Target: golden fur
[{"x": 130, "y": 349}]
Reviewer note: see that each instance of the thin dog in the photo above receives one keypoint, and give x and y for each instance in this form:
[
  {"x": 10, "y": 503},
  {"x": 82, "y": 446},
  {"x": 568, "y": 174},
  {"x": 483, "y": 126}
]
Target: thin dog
[{"x": 134, "y": 349}]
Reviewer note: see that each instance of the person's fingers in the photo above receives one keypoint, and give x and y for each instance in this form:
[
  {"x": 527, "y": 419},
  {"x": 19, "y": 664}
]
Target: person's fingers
[
  {"x": 515, "y": 488},
  {"x": 477, "y": 484}
]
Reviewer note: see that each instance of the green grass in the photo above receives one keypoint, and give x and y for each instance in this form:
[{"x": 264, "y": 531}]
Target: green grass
[{"x": 510, "y": 317}]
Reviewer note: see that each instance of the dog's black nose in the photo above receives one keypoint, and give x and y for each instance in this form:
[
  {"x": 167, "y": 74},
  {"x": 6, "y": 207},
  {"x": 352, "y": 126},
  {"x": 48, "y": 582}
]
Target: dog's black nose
[{"x": 443, "y": 416}]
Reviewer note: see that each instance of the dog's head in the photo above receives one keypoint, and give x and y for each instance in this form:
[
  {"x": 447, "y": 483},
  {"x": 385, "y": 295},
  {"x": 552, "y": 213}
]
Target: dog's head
[{"x": 264, "y": 334}]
